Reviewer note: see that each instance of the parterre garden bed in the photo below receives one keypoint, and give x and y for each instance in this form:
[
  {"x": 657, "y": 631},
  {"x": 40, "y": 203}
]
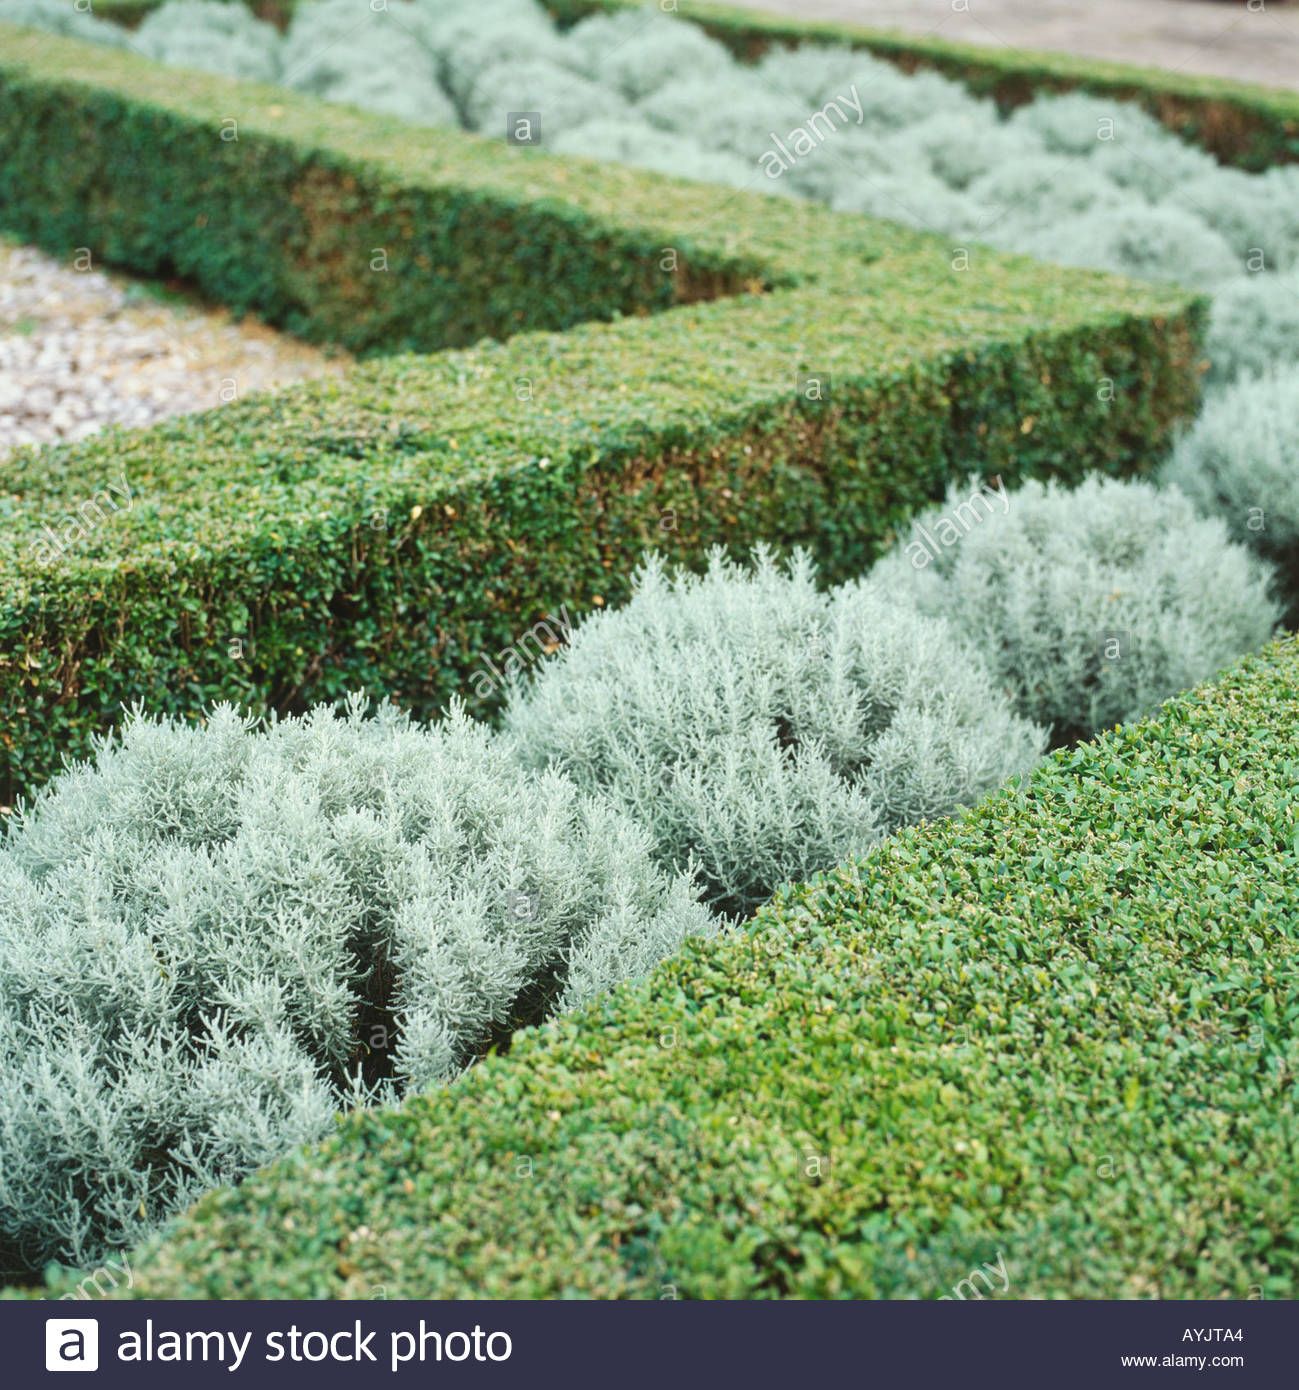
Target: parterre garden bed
[{"x": 216, "y": 936}]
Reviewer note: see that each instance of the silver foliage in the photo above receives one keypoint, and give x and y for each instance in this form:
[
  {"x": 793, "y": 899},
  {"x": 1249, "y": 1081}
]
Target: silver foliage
[
  {"x": 762, "y": 730},
  {"x": 1092, "y": 605},
  {"x": 213, "y": 938}
]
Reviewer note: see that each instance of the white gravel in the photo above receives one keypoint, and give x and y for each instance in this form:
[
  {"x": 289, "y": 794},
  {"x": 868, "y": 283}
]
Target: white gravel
[{"x": 80, "y": 349}]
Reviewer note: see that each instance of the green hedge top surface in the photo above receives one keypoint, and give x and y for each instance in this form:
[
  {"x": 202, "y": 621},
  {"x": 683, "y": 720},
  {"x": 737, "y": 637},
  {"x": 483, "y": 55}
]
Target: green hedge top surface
[
  {"x": 1241, "y": 122},
  {"x": 1051, "y": 1045},
  {"x": 391, "y": 530}
]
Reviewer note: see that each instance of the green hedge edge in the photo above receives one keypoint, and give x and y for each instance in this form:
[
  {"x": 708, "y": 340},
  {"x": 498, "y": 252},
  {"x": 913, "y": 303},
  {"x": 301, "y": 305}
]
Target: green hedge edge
[{"x": 1055, "y": 1037}]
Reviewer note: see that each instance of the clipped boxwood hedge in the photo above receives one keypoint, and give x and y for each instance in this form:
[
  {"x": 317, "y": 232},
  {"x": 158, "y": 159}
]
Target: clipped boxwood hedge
[
  {"x": 1242, "y": 123},
  {"x": 393, "y": 530},
  {"x": 1056, "y": 1038}
]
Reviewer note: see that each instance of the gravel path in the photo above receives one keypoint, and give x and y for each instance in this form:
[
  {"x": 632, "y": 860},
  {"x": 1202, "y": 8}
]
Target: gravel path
[
  {"x": 80, "y": 350},
  {"x": 1201, "y": 36}
]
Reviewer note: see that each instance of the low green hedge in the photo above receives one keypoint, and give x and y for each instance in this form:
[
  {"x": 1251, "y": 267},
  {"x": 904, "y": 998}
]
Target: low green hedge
[
  {"x": 1243, "y": 124},
  {"x": 393, "y": 530},
  {"x": 1055, "y": 1038},
  {"x": 271, "y": 202}
]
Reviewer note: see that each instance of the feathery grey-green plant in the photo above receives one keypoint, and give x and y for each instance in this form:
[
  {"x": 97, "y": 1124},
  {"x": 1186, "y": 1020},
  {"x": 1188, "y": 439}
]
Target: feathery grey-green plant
[
  {"x": 625, "y": 140},
  {"x": 961, "y": 146},
  {"x": 213, "y": 938},
  {"x": 639, "y": 51},
  {"x": 1093, "y": 605},
  {"x": 1253, "y": 326},
  {"x": 761, "y": 730},
  {"x": 213, "y": 36},
  {"x": 563, "y": 98},
  {"x": 1077, "y": 123}
]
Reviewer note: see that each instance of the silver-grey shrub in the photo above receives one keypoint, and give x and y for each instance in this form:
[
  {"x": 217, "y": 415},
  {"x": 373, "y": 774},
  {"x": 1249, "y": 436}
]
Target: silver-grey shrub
[
  {"x": 1253, "y": 326},
  {"x": 1042, "y": 190},
  {"x": 1152, "y": 162},
  {"x": 624, "y": 140},
  {"x": 213, "y": 36},
  {"x": 639, "y": 51},
  {"x": 1093, "y": 605},
  {"x": 417, "y": 98},
  {"x": 961, "y": 146},
  {"x": 61, "y": 17},
  {"x": 1250, "y": 213},
  {"x": 762, "y": 730},
  {"x": 212, "y": 938},
  {"x": 916, "y": 199},
  {"x": 1240, "y": 461},
  {"x": 1076, "y": 123},
  {"x": 1148, "y": 243},
  {"x": 469, "y": 39},
  {"x": 814, "y": 73},
  {"x": 727, "y": 111}
]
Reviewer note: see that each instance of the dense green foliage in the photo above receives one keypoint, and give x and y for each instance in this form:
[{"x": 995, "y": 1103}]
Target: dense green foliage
[
  {"x": 394, "y": 531},
  {"x": 760, "y": 730},
  {"x": 1092, "y": 605},
  {"x": 213, "y": 938},
  {"x": 1253, "y": 327},
  {"x": 1056, "y": 1036}
]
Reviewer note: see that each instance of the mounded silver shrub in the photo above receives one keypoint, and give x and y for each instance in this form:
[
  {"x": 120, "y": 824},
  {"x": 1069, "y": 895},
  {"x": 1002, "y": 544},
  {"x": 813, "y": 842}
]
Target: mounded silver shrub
[
  {"x": 563, "y": 98},
  {"x": 60, "y": 17},
  {"x": 213, "y": 938},
  {"x": 469, "y": 40},
  {"x": 848, "y": 158},
  {"x": 1093, "y": 606},
  {"x": 1240, "y": 462},
  {"x": 1253, "y": 326},
  {"x": 1148, "y": 243},
  {"x": 892, "y": 99},
  {"x": 723, "y": 112},
  {"x": 1042, "y": 190},
  {"x": 1075, "y": 123},
  {"x": 334, "y": 43},
  {"x": 1152, "y": 163},
  {"x": 417, "y": 99},
  {"x": 1251, "y": 214},
  {"x": 639, "y": 51},
  {"x": 625, "y": 140},
  {"x": 915, "y": 199},
  {"x": 213, "y": 36},
  {"x": 961, "y": 146},
  {"x": 814, "y": 73},
  {"x": 761, "y": 730}
]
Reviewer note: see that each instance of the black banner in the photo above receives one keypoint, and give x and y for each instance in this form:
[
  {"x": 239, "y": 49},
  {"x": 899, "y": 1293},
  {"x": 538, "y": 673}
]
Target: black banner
[{"x": 961, "y": 1342}]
